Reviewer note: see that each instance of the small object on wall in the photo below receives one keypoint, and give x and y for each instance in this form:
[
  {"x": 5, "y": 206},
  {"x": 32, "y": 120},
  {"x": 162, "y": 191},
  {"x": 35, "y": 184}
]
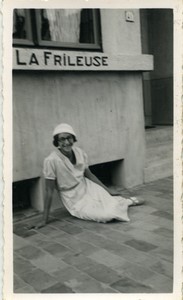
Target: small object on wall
[{"x": 129, "y": 16}]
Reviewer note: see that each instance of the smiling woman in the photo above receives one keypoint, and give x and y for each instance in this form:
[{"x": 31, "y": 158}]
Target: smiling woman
[
  {"x": 64, "y": 141},
  {"x": 81, "y": 192}
]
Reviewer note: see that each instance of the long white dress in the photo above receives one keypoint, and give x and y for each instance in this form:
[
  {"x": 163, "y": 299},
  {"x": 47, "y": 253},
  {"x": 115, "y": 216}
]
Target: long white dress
[{"x": 82, "y": 197}]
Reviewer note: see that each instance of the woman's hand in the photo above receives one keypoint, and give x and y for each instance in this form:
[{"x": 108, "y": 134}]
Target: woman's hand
[{"x": 37, "y": 226}]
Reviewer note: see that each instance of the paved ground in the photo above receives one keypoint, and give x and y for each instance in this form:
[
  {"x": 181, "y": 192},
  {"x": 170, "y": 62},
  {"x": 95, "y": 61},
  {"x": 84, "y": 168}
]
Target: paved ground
[{"x": 74, "y": 256}]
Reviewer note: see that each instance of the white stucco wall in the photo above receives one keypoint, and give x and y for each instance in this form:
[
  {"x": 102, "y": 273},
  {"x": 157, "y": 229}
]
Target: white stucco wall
[
  {"x": 118, "y": 35},
  {"x": 104, "y": 108}
]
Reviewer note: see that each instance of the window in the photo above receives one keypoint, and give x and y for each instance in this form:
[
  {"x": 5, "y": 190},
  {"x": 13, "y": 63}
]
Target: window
[
  {"x": 22, "y": 33},
  {"x": 57, "y": 28}
]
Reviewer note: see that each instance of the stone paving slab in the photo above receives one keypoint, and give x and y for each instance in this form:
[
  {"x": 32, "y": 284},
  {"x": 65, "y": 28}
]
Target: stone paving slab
[
  {"x": 128, "y": 253},
  {"x": 140, "y": 245},
  {"x": 18, "y": 282},
  {"x": 81, "y": 282},
  {"x": 164, "y": 253},
  {"x": 96, "y": 270},
  {"x": 30, "y": 252},
  {"x": 77, "y": 245},
  {"x": 57, "y": 288},
  {"x": 39, "y": 280},
  {"x": 22, "y": 266},
  {"x": 19, "y": 242},
  {"x": 135, "y": 271},
  {"x": 128, "y": 285},
  {"x": 75, "y": 256},
  {"x": 49, "y": 263},
  {"x": 107, "y": 258},
  {"x": 160, "y": 283},
  {"x": 163, "y": 268}
]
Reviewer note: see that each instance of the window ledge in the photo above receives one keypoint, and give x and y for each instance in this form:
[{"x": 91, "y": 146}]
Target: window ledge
[{"x": 46, "y": 59}]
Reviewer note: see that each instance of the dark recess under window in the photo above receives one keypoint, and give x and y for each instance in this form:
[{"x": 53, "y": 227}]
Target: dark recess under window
[
  {"x": 21, "y": 194},
  {"x": 104, "y": 171}
]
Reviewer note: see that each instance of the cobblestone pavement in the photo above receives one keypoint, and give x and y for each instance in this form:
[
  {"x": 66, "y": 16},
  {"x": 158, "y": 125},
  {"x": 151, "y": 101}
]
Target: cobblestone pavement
[{"x": 75, "y": 256}]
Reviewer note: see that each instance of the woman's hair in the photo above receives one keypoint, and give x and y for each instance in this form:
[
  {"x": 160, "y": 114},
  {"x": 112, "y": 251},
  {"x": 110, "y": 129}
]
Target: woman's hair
[{"x": 55, "y": 139}]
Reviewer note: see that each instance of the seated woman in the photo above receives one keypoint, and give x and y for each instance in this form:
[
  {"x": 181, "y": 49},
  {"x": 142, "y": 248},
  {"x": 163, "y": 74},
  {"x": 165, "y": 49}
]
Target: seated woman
[{"x": 81, "y": 192}]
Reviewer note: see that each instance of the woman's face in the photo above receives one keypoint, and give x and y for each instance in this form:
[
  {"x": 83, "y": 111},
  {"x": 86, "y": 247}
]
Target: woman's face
[{"x": 65, "y": 142}]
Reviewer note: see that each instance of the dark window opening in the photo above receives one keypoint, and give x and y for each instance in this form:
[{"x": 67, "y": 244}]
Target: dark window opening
[
  {"x": 22, "y": 194},
  {"x": 22, "y": 29},
  {"x": 19, "y": 24},
  {"x": 105, "y": 172},
  {"x": 86, "y": 27}
]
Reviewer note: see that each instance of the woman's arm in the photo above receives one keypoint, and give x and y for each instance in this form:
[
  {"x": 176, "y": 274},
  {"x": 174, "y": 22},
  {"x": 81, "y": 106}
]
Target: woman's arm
[{"x": 49, "y": 188}]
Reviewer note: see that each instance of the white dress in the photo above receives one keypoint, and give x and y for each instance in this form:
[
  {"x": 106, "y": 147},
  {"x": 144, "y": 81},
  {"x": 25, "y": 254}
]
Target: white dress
[{"x": 82, "y": 197}]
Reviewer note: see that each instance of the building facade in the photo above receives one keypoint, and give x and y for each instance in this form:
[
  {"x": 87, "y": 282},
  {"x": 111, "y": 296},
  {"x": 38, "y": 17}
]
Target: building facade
[{"x": 92, "y": 69}]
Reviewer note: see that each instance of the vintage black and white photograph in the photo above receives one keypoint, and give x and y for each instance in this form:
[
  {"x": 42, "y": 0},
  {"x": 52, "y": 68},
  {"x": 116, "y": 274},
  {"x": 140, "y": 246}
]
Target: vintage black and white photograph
[{"x": 92, "y": 150}]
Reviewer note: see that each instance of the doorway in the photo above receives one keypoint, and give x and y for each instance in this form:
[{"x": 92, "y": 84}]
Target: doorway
[{"x": 157, "y": 39}]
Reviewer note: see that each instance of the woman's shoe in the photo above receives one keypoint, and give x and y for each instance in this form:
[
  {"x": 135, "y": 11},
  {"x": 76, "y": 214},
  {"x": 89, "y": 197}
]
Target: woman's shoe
[{"x": 136, "y": 201}]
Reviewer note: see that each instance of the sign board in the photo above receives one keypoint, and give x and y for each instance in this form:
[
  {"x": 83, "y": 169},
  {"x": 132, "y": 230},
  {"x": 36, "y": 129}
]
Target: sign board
[{"x": 46, "y": 59}]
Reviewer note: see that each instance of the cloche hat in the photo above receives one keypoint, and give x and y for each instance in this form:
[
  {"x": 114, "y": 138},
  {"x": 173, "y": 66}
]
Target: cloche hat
[{"x": 63, "y": 128}]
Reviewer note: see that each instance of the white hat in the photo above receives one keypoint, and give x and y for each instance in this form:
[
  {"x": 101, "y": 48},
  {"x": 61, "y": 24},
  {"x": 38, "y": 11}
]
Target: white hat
[{"x": 63, "y": 128}]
